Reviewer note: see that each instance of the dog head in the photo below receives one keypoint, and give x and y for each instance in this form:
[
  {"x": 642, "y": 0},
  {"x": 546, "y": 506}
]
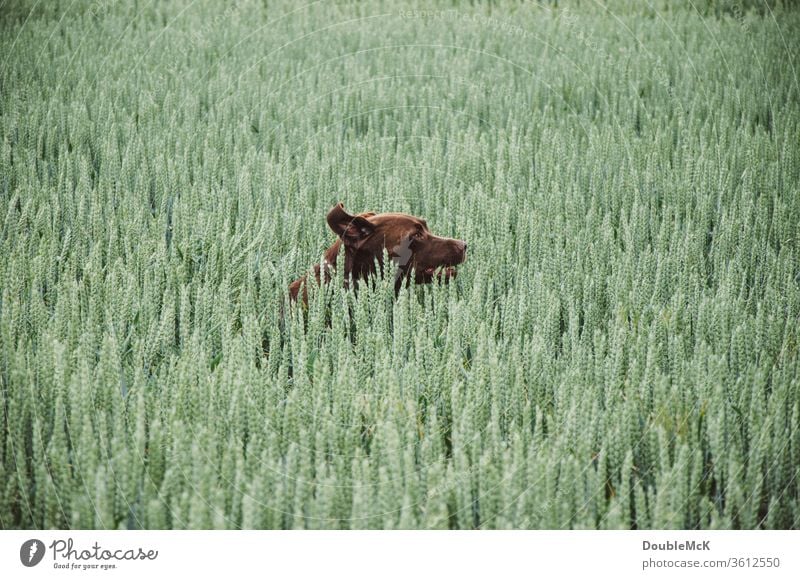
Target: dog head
[{"x": 407, "y": 239}]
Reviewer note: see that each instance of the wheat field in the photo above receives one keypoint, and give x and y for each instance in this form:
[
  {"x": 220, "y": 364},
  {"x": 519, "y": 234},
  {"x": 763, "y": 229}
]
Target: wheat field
[{"x": 619, "y": 350}]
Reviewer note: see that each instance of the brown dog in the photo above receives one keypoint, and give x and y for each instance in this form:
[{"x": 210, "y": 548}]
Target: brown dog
[{"x": 406, "y": 238}]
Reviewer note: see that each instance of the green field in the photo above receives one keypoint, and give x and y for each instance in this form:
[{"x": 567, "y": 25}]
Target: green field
[{"x": 620, "y": 349}]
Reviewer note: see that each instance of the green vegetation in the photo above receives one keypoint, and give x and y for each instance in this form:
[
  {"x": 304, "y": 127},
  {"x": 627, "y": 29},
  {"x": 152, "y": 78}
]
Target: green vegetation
[{"x": 619, "y": 350}]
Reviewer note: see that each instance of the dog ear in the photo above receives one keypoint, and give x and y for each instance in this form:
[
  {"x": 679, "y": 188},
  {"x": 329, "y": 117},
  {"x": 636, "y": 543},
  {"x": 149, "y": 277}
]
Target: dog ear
[{"x": 353, "y": 229}]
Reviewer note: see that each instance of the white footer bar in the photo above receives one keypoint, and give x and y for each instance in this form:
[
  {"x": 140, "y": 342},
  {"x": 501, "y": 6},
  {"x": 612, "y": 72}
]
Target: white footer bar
[{"x": 387, "y": 554}]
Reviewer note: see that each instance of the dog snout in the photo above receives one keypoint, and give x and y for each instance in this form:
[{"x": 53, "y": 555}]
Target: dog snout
[{"x": 462, "y": 249}]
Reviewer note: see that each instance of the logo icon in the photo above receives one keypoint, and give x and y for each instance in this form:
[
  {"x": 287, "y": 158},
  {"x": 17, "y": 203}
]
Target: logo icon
[{"x": 31, "y": 552}]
